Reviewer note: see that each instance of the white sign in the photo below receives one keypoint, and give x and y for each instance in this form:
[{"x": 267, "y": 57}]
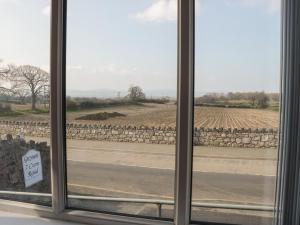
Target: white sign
[{"x": 32, "y": 167}]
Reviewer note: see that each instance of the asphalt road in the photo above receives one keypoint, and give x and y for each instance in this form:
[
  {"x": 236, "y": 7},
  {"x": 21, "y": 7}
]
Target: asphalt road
[
  {"x": 137, "y": 170},
  {"x": 221, "y": 175},
  {"x": 250, "y": 161},
  {"x": 128, "y": 181},
  {"x": 136, "y": 182}
]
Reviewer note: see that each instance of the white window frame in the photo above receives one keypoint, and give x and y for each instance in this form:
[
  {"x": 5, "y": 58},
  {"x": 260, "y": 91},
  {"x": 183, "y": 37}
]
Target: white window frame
[{"x": 288, "y": 184}]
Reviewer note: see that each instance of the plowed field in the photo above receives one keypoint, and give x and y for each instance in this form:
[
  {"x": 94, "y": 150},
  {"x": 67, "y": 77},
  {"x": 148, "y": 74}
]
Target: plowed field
[{"x": 209, "y": 117}]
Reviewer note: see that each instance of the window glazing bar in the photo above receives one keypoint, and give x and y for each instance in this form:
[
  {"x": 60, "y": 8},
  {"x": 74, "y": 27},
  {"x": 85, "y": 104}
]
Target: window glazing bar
[
  {"x": 57, "y": 71},
  {"x": 288, "y": 185},
  {"x": 185, "y": 111}
]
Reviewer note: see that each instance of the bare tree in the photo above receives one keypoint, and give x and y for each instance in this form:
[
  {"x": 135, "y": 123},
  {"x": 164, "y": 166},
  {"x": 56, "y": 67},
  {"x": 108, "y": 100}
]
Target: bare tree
[
  {"x": 136, "y": 93},
  {"x": 21, "y": 93},
  {"x": 252, "y": 97},
  {"x": 262, "y": 100},
  {"x": 4, "y": 74},
  {"x": 46, "y": 95},
  {"x": 29, "y": 79}
]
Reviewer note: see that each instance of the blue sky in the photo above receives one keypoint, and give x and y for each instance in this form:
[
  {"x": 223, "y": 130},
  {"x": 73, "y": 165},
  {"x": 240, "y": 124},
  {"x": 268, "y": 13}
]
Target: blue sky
[{"x": 115, "y": 43}]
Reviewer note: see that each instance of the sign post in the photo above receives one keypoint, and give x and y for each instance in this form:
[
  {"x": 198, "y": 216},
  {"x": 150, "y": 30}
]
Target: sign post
[{"x": 32, "y": 167}]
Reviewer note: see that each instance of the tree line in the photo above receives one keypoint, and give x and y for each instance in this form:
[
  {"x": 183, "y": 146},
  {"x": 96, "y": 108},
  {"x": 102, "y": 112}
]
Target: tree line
[
  {"x": 30, "y": 83},
  {"x": 135, "y": 96},
  {"x": 242, "y": 99}
]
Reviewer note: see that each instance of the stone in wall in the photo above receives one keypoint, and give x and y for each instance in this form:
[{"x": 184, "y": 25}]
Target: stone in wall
[
  {"x": 244, "y": 138},
  {"x": 11, "y": 167}
]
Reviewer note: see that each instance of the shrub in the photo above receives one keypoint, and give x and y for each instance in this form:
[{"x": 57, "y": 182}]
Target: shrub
[
  {"x": 155, "y": 100},
  {"x": 94, "y": 103},
  {"x": 100, "y": 116},
  {"x": 5, "y": 107},
  {"x": 262, "y": 100},
  {"x": 88, "y": 104},
  {"x": 71, "y": 105}
]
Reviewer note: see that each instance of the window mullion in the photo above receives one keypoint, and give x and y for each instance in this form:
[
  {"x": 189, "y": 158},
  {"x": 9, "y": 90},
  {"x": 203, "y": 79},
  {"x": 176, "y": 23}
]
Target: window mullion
[
  {"x": 57, "y": 71},
  {"x": 185, "y": 111},
  {"x": 288, "y": 182}
]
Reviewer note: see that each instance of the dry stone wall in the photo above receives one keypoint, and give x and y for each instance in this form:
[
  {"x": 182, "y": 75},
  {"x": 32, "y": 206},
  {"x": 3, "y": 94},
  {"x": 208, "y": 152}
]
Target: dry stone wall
[
  {"x": 26, "y": 128},
  {"x": 250, "y": 138},
  {"x": 11, "y": 167}
]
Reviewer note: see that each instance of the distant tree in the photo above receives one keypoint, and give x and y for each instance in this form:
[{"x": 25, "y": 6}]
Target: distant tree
[
  {"x": 21, "y": 93},
  {"x": 235, "y": 96},
  {"x": 46, "y": 95},
  {"x": 4, "y": 75},
  {"x": 274, "y": 97},
  {"x": 262, "y": 100},
  {"x": 118, "y": 94},
  {"x": 29, "y": 80},
  {"x": 135, "y": 93},
  {"x": 252, "y": 97}
]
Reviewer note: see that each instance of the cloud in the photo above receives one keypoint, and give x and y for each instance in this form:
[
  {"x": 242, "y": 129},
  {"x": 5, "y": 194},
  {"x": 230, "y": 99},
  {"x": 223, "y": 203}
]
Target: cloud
[
  {"x": 46, "y": 10},
  {"x": 271, "y": 6},
  {"x": 274, "y": 5},
  {"x": 162, "y": 11},
  {"x": 159, "y": 11}
]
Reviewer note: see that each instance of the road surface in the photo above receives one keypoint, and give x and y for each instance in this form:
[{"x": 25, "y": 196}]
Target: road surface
[
  {"x": 135, "y": 182},
  {"x": 126, "y": 169},
  {"x": 221, "y": 175}
]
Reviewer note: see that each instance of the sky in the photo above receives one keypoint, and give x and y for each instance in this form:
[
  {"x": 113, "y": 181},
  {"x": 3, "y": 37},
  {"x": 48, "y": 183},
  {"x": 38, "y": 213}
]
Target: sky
[{"x": 112, "y": 44}]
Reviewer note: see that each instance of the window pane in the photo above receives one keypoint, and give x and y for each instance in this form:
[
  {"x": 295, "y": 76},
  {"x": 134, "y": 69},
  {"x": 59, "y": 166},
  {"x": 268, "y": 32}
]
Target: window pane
[
  {"x": 121, "y": 106},
  {"x": 236, "y": 111},
  {"x": 24, "y": 101}
]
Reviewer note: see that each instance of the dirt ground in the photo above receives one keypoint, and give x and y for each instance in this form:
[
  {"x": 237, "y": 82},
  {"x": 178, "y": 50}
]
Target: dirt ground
[{"x": 165, "y": 115}]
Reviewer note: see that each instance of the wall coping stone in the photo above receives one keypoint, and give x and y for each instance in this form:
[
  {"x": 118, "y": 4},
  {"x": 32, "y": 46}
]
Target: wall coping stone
[{"x": 142, "y": 127}]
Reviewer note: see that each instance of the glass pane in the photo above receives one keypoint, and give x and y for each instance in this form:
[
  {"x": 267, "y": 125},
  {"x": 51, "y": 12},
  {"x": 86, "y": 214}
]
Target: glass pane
[
  {"x": 24, "y": 101},
  {"x": 121, "y": 106},
  {"x": 236, "y": 111}
]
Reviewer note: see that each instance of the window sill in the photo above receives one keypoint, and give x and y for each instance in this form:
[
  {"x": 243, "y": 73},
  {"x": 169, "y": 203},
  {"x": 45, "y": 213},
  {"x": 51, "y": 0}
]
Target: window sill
[{"x": 8, "y": 218}]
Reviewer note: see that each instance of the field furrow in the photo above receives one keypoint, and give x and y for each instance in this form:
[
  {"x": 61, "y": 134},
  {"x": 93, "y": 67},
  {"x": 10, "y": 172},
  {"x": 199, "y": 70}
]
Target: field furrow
[{"x": 164, "y": 115}]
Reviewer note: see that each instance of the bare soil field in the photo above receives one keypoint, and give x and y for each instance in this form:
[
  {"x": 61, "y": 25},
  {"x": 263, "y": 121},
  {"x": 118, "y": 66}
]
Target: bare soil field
[
  {"x": 209, "y": 117},
  {"x": 165, "y": 115},
  {"x": 235, "y": 118}
]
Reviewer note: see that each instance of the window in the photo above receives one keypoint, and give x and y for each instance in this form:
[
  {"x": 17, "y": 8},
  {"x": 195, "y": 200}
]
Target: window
[
  {"x": 218, "y": 172},
  {"x": 25, "y": 171},
  {"x": 236, "y": 137},
  {"x": 121, "y": 84}
]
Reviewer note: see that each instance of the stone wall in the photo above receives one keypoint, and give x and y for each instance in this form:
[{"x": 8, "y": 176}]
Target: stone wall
[
  {"x": 27, "y": 128},
  {"x": 252, "y": 138},
  {"x": 11, "y": 167},
  {"x": 247, "y": 138}
]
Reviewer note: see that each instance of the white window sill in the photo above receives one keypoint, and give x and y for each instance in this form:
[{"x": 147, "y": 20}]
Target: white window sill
[{"x": 19, "y": 219}]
